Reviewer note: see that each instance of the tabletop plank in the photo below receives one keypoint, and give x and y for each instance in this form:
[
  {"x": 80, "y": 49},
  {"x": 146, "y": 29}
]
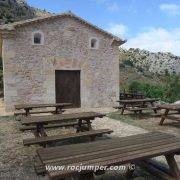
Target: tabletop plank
[
  {"x": 24, "y": 106},
  {"x": 137, "y": 100},
  {"x": 100, "y": 145},
  {"x": 60, "y": 117},
  {"x": 175, "y": 107}
]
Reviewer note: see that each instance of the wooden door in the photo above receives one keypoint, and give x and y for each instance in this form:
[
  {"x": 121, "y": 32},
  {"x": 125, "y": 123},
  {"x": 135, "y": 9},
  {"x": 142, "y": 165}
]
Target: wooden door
[{"x": 68, "y": 87}]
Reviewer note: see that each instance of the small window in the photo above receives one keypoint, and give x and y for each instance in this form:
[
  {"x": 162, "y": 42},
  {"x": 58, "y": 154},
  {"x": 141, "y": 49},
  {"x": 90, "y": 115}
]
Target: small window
[
  {"x": 38, "y": 38},
  {"x": 94, "y": 43}
]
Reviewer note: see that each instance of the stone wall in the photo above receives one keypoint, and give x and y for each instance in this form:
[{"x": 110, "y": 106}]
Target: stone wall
[
  {"x": 29, "y": 70},
  {"x": 0, "y": 46}
]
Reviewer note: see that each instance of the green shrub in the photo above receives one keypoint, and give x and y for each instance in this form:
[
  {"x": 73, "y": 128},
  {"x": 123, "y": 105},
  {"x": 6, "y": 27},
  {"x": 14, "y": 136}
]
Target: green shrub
[
  {"x": 172, "y": 88},
  {"x": 149, "y": 90},
  {"x": 128, "y": 63},
  {"x": 168, "y": 92}
]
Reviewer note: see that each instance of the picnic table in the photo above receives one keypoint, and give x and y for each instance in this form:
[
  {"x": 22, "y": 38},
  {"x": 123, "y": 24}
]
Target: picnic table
[
  {"x": 126, "y": 95},
  {"x": 137, "y": 105},
  {"x": 169, "y": 107},
  {"x": 28, "y": 107},
  {"x": 111, "y": 152},
  {"x": 41, "y": 121}
]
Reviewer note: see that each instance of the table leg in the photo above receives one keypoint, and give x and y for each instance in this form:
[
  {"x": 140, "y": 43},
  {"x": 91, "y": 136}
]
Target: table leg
[
  {"x": 40, "y": 132},
  {"x": 89, "y": 124},
  {"x": 88, "y": 176},
  {"x": 155, "y": 110},
  {"x": 57, "y": 110},
  {"x": 79, "y": 128},
  {"x": 123, "y": 108},
  {"x": 164, "y": 117},
  {"x": 36, "y": 133},
  {"x": 130, "y": 171},
  {"x": 27, "y": 112},
  {"x": 173, "y": 167},
  {"x": 143, "y": 104}
]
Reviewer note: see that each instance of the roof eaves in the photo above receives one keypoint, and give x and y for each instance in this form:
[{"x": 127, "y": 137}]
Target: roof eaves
[{"x": 13, "y": 26}]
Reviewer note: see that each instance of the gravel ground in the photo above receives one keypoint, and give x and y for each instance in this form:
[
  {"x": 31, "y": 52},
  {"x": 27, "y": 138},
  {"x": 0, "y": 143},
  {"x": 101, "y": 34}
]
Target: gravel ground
[
  {"x": 16, "y": 160},
  {"x": 120, "y": 128}
]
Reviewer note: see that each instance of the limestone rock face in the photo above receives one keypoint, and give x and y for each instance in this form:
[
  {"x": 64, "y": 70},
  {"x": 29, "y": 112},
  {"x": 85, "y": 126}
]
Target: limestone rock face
[
  {"x": 177, "y": 102},
  {"x": 154, "y": 62},
  {"x": 16, "y": 10}
]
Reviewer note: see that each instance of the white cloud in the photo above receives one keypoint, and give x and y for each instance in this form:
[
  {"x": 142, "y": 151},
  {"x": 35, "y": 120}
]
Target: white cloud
[
  {"x": 157, "y": 39},
  {"x": 118, "y": 29},
  {"x": 100, "y": 1},
  {"x": 170, "y": 9},
  {"x": 108, "y": 4},
  {"x": 113, "y": 7}
]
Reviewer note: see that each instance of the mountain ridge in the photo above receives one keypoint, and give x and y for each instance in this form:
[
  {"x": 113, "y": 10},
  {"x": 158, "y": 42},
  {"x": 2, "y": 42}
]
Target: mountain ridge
[{"x": 16, "y": 10}]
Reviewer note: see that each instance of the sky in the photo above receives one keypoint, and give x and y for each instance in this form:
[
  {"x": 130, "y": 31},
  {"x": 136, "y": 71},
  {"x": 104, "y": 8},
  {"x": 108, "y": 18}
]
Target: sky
[{"x": 152, "y": 25}]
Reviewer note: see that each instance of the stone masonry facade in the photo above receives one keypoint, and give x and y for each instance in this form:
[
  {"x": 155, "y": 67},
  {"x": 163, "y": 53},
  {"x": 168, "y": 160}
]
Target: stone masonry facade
[{"x": 29, "y": 70}]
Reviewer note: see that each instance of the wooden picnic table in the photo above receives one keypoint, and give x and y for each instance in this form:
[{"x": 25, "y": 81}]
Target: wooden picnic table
[
  {"x": 169, "y": 107},
  {"x": 111, "y": 152},
  {"x": 40, "y": 121},
  {"x": 28, "y": 107},
  {"x": 126, "y": 95},
  {"x": 137, "y": 104}
]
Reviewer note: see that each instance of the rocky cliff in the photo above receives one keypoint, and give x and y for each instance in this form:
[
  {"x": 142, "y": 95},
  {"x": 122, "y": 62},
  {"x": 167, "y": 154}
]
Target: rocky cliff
[
  {"x": 15, "y": 10},
  {"x": 153, "y": 62}
]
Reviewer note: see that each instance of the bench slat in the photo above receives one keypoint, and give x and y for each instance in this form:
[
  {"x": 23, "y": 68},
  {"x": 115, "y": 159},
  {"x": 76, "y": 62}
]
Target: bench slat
[
  {"x": 139, "y": 109},
  {"x": 34, "y": 112},
  {"x": 38, "y": 166},
  {"x": 48, "y": 139},
  {"x": 118, "y": 107},
  {"x": 175, "y": 118}
]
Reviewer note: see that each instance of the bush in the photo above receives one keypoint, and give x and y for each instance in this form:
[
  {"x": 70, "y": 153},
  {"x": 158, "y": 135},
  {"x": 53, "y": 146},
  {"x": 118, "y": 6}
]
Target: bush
[
  {"x": 172, "y": 89},
  {"x": 128, "y": 63},
  {"x": 168, "y": 92},
  {"x": 149, "y": 90}
]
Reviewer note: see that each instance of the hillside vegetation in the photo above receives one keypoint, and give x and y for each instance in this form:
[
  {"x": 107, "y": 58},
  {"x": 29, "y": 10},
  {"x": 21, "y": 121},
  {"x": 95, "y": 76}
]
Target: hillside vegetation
[
  {"x": 15, "y": 10},
  {"x": 136, "y": 76}
]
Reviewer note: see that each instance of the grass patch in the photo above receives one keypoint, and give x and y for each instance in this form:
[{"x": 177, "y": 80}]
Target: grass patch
[{"x": 5, "y": 118}]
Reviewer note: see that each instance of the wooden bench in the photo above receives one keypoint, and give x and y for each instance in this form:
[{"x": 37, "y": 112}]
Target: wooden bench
[
  {"x": 158, "y": 169},
  {"x": 139, "y": 109},
  {"x": 111, "y": 152},
  {"x": 38, "y": 166},
  {"x": 48, "y": 126},
  {"x": 118, "y": 107},
  {"x": 35, "y": 112},
  {"x": 48, "y": 139},
  {"x": 29, "y": 107},
  {"x": 174, "y": 108}
]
